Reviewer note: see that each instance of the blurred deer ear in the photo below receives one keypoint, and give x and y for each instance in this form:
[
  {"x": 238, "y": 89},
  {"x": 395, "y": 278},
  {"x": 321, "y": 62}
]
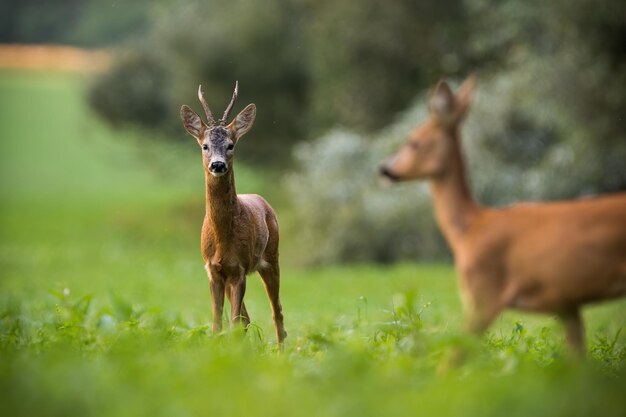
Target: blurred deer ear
[
  {"x": 244, "y": 120},
  {"x": 442, "y": 102},
  {"x": 192, "y": 122},
  {"x": 465, "y": 93}
]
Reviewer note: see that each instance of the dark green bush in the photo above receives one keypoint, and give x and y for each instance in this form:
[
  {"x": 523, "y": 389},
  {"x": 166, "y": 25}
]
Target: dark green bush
[
  {"x": 369, "y": 58},
  {"x": 136, "y": 88}
]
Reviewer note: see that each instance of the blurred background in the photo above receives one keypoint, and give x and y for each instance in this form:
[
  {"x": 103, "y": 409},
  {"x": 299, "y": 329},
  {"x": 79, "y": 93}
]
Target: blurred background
[
  {"x": 104, "y": 303},
  {"x": 338, "y": 85}
]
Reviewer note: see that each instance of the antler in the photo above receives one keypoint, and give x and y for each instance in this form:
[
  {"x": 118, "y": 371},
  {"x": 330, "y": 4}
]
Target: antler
[
  {"x": 224, "y": 118},
  {"x": 205, "y": 106}
]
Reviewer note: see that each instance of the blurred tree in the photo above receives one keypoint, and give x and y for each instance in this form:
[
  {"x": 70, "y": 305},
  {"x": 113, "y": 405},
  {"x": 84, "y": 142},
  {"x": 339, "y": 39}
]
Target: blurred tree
[
  {"x": 111, "y": 22},
  {"x": 30, "y": 21},
  {"x": 124, "y": 97},
  {"x": 76, "y": 22},
  {"x": 368, "y": 58},
  {"x": 567, "y": 62}
]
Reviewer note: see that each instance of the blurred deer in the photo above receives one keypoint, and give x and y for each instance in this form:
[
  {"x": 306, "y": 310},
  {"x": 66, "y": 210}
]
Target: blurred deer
[
  {"x": 547, "y": 257},
  {"x": 240, "y": 232}
]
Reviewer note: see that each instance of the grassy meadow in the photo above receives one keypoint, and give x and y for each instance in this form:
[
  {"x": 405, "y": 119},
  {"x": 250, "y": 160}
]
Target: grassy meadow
[{"x": 104, "y": 303}]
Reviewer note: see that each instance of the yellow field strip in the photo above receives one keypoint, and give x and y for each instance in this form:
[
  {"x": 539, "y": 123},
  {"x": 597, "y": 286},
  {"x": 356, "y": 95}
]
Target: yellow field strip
[{"x": 53, "y": 57}]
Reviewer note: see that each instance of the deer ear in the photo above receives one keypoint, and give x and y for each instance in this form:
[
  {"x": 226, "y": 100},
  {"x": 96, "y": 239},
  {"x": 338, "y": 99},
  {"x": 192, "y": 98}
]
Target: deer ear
[
  {"x": 244, "y": 120},
  {"x": 465, "y": 93},
  {"x": 192, "y": 122},
  {"x": 442, "y": 102}
]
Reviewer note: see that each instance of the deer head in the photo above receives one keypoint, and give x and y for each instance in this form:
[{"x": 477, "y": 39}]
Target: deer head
[
  {"x": 217, "y": 139},
  {"x": 429, "y": 147}
]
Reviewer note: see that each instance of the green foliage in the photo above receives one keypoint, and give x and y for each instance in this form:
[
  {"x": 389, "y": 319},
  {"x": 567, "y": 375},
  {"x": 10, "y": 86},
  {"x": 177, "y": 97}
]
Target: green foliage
[{"x": 379, "y": 362}]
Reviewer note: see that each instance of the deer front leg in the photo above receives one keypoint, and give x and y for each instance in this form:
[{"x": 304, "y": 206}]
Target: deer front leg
[
  {"x": 478, "y": 316},
  {"x": 244, "y": 312},
  {"x": 574, "y": 331},
  {"x": 270, "y": 275},
  {"x": 237, "y": 287},
  {"x": 217, "y": 300},
  {"x": 476, "y": 322}
]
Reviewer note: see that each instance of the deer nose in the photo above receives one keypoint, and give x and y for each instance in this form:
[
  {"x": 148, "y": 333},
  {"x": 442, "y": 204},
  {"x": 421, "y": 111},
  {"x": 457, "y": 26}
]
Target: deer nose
[
  {"x": 218, "y": 167},
  {"x": 386, "y": 172}
]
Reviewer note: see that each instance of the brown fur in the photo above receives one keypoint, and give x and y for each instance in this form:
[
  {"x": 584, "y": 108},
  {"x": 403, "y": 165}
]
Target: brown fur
[
  {"x": 545, "y": 257},
  {"x": 240, "y": 232}
]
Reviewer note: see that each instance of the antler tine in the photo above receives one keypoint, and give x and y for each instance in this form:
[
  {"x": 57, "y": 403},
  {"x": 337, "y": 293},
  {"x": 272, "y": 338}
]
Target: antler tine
[
  {"x": 224, "y": 118},
  {"x": 205, "y": 106}
]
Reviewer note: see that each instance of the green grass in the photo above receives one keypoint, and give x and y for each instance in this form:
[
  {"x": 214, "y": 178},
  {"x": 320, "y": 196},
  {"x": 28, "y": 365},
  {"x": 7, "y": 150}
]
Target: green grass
[{"x": 104, "y": 304}]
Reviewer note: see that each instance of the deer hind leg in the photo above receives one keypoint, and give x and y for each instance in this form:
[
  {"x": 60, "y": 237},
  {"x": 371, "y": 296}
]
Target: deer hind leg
[
  {"x": 270, "y": 274},
  {"x": 574, "y": 331}
]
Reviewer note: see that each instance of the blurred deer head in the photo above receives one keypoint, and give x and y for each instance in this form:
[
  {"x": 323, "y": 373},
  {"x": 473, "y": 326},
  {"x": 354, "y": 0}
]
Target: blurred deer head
[{"x": 430, "y": 146}]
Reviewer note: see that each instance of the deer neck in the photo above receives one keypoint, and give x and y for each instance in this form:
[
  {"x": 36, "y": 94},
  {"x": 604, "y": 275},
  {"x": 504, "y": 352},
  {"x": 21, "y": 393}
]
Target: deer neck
[
  {"x": 221, "y": 205},
  {"x": 454, "y": 204}
]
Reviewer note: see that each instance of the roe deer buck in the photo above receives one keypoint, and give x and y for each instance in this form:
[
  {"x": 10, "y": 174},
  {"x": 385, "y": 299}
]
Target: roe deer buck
[
  {"x": 240, "y": 232},
  {"x": 547, "y": 257}
]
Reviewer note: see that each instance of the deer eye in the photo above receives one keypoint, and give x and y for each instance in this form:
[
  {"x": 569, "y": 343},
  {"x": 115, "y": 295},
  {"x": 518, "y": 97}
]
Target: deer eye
[
  {"x": 205, "y": 147},
  {"x": 230, "y": 147}
]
